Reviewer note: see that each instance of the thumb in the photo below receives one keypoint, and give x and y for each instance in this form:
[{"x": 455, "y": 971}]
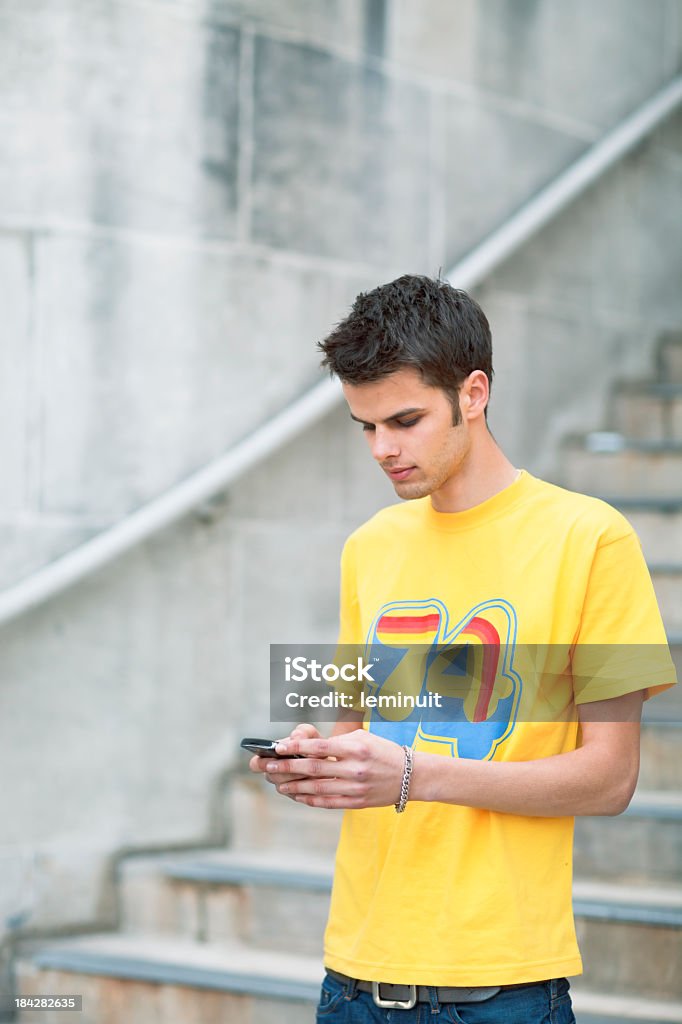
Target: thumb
[{"x": 305, "y": 732}]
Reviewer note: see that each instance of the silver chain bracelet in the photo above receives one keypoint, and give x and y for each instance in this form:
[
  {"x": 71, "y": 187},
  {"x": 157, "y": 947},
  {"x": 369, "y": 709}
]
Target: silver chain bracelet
[{"x": 405, "y": 784}]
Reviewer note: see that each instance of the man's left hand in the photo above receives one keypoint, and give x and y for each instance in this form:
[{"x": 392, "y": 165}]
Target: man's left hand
[{"x": 353, "y": 770}]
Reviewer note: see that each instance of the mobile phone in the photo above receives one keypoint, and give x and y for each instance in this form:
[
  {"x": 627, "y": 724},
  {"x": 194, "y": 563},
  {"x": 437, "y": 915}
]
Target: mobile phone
[{"x": 264, "y": 748}]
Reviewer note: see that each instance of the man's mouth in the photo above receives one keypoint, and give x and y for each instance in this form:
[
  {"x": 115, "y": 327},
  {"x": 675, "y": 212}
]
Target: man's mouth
[{"x": 400, "y": 473}]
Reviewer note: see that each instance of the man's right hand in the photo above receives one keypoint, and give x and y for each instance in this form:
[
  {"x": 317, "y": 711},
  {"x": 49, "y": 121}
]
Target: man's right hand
[{"x": 257, "y": 763}]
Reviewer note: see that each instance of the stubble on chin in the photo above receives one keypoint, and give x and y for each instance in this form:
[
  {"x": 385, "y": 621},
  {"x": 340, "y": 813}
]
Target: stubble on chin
[{"x": 409, "y": 491}]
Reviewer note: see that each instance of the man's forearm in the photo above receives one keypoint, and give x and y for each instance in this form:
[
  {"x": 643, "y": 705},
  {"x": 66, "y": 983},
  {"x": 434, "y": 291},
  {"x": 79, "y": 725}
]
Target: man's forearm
[
  {"x": 362, "y": 769},
  {"x": 574, "y": 783}
]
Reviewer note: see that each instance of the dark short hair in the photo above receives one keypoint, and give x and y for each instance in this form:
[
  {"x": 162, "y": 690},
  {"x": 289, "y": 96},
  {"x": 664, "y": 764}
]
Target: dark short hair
[{"x": 412, "y": 321}]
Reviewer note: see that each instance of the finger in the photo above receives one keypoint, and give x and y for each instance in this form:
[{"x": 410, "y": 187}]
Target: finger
[
  {"x": 309, "y": 766},
  {"x": 284, "y": 789},
  {"x": 326, "y": 787},
  {"x": 318, "y": 747},
  {"x": 277, "y": 779},
  {"x": 331, "y": 802},
  {"x": 305, "y": 731}
]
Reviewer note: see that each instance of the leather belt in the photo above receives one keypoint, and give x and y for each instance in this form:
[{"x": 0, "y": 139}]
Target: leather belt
[{"x": 404, "y": 997}]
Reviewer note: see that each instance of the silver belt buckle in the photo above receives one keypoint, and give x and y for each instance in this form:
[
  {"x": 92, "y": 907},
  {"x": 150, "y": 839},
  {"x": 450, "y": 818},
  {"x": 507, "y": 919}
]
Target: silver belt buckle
[{"x": 394, "y": 1004}]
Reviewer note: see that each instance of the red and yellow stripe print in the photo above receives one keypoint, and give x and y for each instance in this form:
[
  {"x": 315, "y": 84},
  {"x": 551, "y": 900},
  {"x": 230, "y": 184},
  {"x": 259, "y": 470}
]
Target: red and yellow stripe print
[
  {"x": 478, "y": 633},
  {"x": 412, "y": 629},
  {"x": 484, "y": 632}
]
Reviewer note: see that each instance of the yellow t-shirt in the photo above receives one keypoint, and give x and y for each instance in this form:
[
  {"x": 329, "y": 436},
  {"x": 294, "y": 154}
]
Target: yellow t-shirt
[{"x": 555, "y": 582}]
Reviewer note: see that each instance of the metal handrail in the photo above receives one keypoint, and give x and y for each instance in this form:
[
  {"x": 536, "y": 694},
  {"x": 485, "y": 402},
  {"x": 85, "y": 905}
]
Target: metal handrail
[
  {"x": 551, "y": 200},
  {"x": 214, "y": 478},
  {"x": 177, "y": 502}
]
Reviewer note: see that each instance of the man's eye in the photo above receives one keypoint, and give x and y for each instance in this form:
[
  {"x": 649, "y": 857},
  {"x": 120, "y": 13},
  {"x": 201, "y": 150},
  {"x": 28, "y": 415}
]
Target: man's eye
[{"x": 398, "y": 423}]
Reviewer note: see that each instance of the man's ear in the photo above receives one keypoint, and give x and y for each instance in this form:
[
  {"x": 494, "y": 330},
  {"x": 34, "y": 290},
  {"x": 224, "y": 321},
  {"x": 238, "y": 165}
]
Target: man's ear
[{"x": 475, "y": 392}]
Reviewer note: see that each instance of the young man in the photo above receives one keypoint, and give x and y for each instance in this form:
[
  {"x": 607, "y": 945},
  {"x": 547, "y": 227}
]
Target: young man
[{"x": 460, "y": 903}]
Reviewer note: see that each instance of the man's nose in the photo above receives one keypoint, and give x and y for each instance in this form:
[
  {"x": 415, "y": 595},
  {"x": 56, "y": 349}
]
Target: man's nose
[{"x": 384, "y": 445}]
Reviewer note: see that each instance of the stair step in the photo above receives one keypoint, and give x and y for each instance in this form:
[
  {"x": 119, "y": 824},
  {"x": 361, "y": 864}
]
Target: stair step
[
  {"x": 669, "y": 356},
  {"x": 253, "y": 897},
  {"x": 659, "y": 531},
  {"x": 609, "y": 442},
  {"x": 644, "y": 844},
  {"x": 661, "y": 753},
  {"x": 616, "y": 923},
  {"x": 238, "y": 869},
  {"x": 647, "y": 411},
  {"x": 636, "y": 502},
  {"x": 655, "y": 467},
  {"x": 231, "y": 868},
  {"x": 667, "y": 580},
  {"x": 655, "y": 804},
  {"x": 667, "y": 706},
  {"x": 660, "y": 906},
  {"x": 169, "y": 981},
  {"x": 262, "y": 819},
  {"x": 596, "y": 1008},
  {"x": 153, "y": 981},
  {"x": 639, "y": 961}
]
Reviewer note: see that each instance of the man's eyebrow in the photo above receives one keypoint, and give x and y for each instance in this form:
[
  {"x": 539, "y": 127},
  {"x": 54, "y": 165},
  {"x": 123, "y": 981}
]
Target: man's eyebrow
[{"x": 395, "y": 416}]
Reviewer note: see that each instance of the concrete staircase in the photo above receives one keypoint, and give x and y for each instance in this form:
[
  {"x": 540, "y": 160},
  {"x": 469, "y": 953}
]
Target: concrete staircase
[
  {"x": 234, "y": 936},
  {"x": 629, "y": 868},
  {"x": 210, "y": 936}
]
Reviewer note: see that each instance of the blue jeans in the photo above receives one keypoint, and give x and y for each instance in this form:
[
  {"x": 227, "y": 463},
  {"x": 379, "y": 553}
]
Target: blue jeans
[{"x": 548, "y": 1002}]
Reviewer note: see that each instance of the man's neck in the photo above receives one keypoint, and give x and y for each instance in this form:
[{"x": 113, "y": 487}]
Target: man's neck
[{"x": 485, "y": 472}]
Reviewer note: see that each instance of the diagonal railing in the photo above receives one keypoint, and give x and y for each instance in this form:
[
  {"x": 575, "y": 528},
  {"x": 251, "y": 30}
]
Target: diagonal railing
[{"x": 218, "y": 475}]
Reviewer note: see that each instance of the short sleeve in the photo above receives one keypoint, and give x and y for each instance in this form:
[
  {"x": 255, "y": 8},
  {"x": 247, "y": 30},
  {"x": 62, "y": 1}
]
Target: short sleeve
[
  {"x": 349, "y": 611},
  {"x": 621, "y": 645},
  {"x": 350, "y": 643}
]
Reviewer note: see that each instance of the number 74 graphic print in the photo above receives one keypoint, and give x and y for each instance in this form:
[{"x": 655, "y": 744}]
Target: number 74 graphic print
[{"x": 414, "y": 650}]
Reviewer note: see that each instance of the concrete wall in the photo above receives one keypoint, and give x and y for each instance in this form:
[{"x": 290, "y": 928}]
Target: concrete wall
[
  {"x": 192, "y": 194},
  {"x": 582, "y": 304}
]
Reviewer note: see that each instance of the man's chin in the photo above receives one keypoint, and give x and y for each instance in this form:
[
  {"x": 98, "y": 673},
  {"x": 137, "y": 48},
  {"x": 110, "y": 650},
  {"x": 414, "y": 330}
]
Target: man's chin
[{"x": 408, "y": 489}]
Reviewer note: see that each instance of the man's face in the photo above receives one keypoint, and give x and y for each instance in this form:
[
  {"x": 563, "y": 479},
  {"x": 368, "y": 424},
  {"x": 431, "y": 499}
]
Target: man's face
[{"x": 409, "y": 429}]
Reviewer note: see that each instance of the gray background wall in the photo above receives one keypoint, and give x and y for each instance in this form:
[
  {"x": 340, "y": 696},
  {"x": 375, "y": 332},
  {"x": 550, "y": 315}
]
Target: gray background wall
[{"x": 191, "y": 194}]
